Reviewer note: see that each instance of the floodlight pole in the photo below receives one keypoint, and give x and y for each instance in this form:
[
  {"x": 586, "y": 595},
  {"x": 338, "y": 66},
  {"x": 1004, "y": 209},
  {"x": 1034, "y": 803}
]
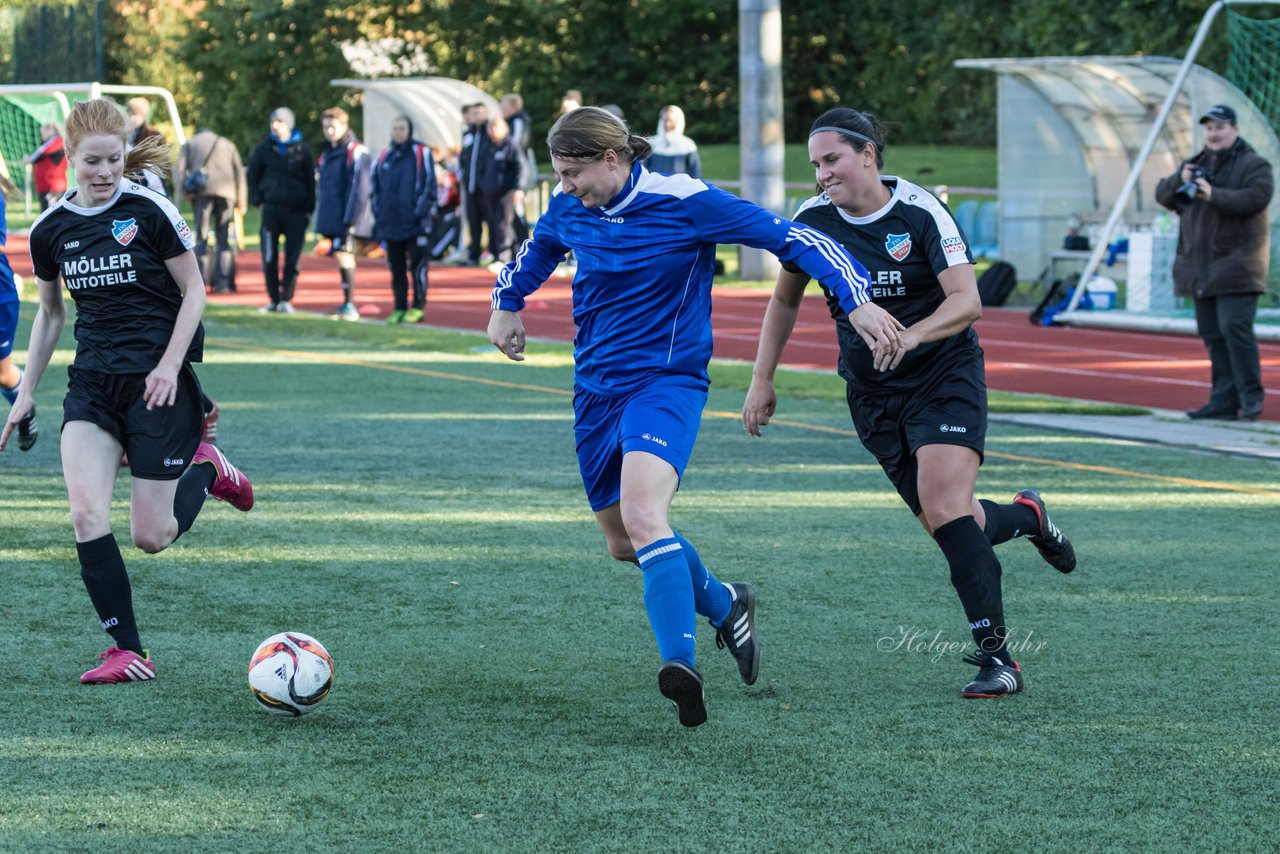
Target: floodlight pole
[
  {"x": 1135, "y": 171},
  {"x": 760, "y": 121}
]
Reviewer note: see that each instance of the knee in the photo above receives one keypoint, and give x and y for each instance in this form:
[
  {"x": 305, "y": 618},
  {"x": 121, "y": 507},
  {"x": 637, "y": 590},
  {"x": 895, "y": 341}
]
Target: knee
[
  {"x": 90, "y": 523},
  {"x": 643, "y": 522},
  {"x": 621, "y": 550},
  {"x": 152, "y": 540}
]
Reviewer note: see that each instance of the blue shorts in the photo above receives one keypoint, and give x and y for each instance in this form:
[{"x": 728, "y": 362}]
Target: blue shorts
[
  {"x": 660, "y": 417},
  {"x": 8, "y": 326}
]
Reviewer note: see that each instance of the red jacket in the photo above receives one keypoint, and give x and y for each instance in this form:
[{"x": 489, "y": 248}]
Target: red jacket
[{"x": 50, "y": 167}]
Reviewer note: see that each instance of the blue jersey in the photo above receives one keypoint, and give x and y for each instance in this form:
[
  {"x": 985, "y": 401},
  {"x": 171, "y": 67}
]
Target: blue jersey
[
  {"x": 8, "y": 290},
  {"x": 642, "y": 293}
]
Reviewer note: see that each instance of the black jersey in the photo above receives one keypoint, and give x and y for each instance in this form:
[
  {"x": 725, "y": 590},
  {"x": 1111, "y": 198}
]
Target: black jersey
[
  {"x": 112, "y": 260},
  {"x": 904, "y": 246}
]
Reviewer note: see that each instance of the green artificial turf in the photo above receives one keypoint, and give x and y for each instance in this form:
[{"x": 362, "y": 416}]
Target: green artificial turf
[{"x": 419, "y": 511}]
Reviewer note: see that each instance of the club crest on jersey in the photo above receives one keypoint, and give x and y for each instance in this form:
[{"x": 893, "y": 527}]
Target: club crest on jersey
[
  {"x": 898, "y": 245},
  {"x": 124, "y": 230}
]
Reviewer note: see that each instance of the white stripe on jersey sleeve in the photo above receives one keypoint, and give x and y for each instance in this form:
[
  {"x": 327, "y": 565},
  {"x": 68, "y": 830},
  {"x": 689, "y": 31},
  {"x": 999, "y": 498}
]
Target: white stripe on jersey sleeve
[
  {"x": 954, "y": 249},
  {"x": 836, "y": 256},
  {"x": 167, "y": 207}
]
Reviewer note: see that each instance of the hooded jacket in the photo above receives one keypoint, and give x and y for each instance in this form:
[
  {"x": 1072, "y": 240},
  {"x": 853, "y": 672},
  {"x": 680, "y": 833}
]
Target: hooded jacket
[
  {"x": 1224, "y": 242},
  {"x": 345, "y": 187},
  {"x": 404, "y": 191},
  {"x": 673, "y": 152},
  {"x": 283, "y": 174}
]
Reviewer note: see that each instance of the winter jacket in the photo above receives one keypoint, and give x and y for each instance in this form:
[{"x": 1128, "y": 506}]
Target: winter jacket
[
  {"x": 1224, "y": 243},
  {"x": 219, "y": 158},
  {"x": 404, "y": 191},
  {"x": 475, "y": 148},
  {"x": 282, "y": 174},
  {"x": 345, "y": 185},
  {"x": 501, "y": 170}
]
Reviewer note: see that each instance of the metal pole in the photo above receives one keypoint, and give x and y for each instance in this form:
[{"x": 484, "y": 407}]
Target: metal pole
[
  {"x": 1175, "y": 87},
  {"x": 99, "y": 51},
  {"x": 761, "y": 124}
]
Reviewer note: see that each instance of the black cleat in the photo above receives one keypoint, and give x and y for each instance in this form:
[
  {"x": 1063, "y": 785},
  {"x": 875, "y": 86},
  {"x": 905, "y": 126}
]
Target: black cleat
[
  {"x": 682, "y": 685},
  {"x": 28, "y": 432},
  {"x": 1052, "y": 544},
  {"x": 738, "y": 631},
  {"x": 995, "y": 679}
]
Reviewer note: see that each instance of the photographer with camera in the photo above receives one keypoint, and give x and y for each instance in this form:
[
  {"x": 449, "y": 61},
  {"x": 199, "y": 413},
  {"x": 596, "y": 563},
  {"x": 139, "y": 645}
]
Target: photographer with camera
[{"x": 1221, "y": 195}]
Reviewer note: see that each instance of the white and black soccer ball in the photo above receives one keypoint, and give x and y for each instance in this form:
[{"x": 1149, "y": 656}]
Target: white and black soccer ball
[{"x": 290, "y": 673}]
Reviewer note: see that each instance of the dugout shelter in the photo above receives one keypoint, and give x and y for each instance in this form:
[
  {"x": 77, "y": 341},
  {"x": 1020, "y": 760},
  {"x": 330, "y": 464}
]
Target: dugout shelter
[
  {"x": 1069, "y": 130},
  {"x": 433, "y": 104}
]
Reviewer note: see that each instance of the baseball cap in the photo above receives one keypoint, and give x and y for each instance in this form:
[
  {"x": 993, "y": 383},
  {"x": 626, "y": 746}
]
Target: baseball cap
[{"x": 1219, "y": 113}]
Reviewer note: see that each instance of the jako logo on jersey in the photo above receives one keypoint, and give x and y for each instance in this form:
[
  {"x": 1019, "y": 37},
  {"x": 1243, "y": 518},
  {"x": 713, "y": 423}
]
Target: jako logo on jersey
[
  {"x": 949, "y": 428},
  {"x": 649, "y": 438},
  {"x": 71, "y": 244},
  {"x": 898, "y": 245},
  {"x": 124, "y": 230},
  {"x": 613, "y": 219}
]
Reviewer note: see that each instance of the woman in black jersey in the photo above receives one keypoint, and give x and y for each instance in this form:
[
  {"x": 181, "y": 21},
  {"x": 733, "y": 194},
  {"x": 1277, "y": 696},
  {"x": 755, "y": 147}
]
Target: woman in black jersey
[
  {"x": 125, "y": 254},
  {"x": 923, "y": 412}
]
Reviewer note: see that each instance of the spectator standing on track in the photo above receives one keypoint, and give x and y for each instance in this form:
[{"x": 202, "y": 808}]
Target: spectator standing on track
[
  {"x": 522, "y": 132},
  {"x": 49, "y": 165},
  {"x": 475, "y": 148},
  {"x": 221, "y": 193},
  {"x": 501, "y": 175},
  {"x": 404, "y": 201},
  {"x": 282, "y": 180},
  {"x": 1224, "y": 252},
  {"x": 343, "y": 211}
]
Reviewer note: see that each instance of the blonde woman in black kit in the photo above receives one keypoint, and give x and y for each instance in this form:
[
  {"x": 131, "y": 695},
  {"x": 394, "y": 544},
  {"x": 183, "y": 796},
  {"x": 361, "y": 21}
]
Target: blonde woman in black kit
[{"x": 125, "y": 254}]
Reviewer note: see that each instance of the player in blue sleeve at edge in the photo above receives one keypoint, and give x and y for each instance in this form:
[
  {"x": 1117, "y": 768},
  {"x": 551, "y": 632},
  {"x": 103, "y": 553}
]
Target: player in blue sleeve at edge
[{"x": 645, "y": 245}]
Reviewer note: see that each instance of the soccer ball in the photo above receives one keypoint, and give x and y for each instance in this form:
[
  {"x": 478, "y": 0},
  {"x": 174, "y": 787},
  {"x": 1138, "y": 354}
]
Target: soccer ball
[{"x": 290, "y": 673}]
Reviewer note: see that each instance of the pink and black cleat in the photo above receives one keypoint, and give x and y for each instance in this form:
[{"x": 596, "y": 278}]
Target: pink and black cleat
[
  {"x": 230, "y": 485},
  {"x": 121, "y": 665}
]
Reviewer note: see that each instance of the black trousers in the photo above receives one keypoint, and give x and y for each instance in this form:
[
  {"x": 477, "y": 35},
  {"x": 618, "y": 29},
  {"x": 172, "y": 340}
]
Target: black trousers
[
  {"x": 290, "y": 224},
  {"x": 407, "y": 258},
  {"x": 214, "y": 213},
  {"x": 1225, "y": 323},
  {"x": 473, "y": 205},
  {"x": 500, "y": 217}
]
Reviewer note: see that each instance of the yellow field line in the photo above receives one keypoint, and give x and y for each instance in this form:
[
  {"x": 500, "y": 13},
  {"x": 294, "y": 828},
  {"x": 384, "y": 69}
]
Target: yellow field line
[{"x": 818, "y": 428}]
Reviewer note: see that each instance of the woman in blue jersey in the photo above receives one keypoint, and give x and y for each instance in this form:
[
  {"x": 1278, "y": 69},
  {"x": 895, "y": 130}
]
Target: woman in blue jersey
[
  {"x": 645, "y": 244},
  {"x": 925, "y": 417},
  {"x": 11, "y": 374},
  {"x": 125, "y": 254}
]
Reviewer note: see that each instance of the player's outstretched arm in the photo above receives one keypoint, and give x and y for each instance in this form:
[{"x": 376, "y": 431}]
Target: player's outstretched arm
[
  {"x": 506, "y": 332},
  {"x": 779, "y": 320},
  {"x": 46, "y": 328}
]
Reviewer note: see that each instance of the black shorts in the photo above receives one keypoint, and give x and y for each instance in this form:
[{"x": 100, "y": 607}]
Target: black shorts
[
  {"x": 948, "y": 408},
  {"x": 160, "y": 442}
]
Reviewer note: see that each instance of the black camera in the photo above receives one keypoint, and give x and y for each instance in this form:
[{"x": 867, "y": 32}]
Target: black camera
[{"x": 1186, "y": 194}]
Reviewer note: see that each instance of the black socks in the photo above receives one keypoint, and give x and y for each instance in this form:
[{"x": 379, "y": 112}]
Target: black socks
[
  {"x": 1006, "y": 521},
  {"x": 104, "y": 575},
  {"x": 193, "y": 489},
  {"x": 975, "y": 574}
]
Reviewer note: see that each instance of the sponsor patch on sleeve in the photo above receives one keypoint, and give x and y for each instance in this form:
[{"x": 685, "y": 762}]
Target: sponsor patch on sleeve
[
  {"x": 184, "y": 234},
  {"x": 953, "y": 245}
]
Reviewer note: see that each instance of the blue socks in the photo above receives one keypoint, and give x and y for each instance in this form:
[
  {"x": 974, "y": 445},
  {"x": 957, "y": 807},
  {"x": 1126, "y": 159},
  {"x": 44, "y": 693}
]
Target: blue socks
[
  {"x": 711, "y": 599},
  {"x": 668, "y": 598}
]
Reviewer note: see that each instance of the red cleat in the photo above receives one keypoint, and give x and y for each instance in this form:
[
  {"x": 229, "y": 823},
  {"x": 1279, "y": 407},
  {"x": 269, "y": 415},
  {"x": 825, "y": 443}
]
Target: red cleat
[
  {"x": 230, "y": 485},
  {"x": 121, "y": 665}
]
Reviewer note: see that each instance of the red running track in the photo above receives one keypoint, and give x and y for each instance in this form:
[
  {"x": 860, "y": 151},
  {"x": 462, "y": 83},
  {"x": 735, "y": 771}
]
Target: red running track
[{"x": 1165, "y": 371}]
